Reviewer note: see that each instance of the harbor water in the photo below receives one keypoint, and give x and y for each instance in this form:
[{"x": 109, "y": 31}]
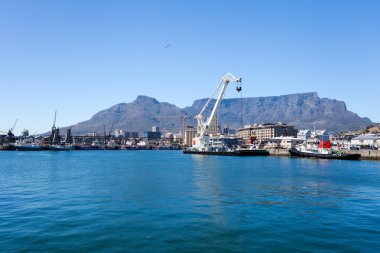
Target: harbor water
[{"x": 166, "y": 201}]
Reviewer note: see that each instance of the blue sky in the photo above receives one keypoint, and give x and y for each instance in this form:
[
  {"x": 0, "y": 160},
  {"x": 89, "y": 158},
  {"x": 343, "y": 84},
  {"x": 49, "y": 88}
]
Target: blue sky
[{"x": 79, "y": 57}]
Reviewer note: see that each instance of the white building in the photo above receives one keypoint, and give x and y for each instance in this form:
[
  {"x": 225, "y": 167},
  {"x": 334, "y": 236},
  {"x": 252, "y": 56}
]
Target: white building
[
  {"x": 119, "y": 133},
  {"x": 366, "y": 140},
  {"x": 322, "y": 135},
  {"x": 283, "y": 142},
  {"x": 304, "y": 134}
]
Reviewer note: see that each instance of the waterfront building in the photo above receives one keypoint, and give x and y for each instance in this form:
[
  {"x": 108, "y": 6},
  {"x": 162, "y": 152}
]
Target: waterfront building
[
  {"x": 322, "y": 135},
  {"x": 304, "y": 134},
  {"x": 371, "y": 140},
  {"x": 223, "y": 142},
  {"x": 151, "y": 135},
  {"x": 190, "y": 133},
  {"x": 177, "y": 138},
  {"x": 155, "y": 129},
  {"x": 225, "y": 130},
  {"x": 91, "y": 134},
  {"x": 283, "y": 142},
  {"x": 265, "y": 131},
  {"x": 169, "y": 138},
  {"x": 131, "y": 135},
  {"x": 119, "y": 133}
]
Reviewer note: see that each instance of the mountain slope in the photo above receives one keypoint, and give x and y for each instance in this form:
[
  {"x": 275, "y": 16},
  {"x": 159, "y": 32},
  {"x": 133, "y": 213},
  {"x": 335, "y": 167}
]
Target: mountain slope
[
  {"x": 301, "y": 110},
  {"x": 139, "y": 115}
]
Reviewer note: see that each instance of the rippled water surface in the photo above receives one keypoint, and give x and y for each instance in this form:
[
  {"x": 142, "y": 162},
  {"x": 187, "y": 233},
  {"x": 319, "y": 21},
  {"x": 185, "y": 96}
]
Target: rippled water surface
[{"x": 164, "y": 201}]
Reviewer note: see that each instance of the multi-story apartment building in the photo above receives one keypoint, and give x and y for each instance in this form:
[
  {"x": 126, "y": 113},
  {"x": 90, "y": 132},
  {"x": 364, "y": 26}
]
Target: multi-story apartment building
[{"x": 265, "y": 131}]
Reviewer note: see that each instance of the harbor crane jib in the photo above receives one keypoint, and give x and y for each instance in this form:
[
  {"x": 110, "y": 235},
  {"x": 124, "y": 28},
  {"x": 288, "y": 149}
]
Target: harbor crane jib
[{"x": 201, "y": 141}]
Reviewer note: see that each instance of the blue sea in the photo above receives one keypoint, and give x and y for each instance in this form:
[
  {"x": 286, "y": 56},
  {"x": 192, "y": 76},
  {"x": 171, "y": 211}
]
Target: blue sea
[{"x": 165, "y": 201}]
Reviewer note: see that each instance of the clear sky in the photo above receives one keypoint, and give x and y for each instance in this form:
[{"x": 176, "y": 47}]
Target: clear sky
[{"x": 83, "y": 56}]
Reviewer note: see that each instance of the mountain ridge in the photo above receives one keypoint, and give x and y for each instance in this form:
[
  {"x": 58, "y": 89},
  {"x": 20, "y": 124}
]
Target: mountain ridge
[{"x": 300, "y": 109}]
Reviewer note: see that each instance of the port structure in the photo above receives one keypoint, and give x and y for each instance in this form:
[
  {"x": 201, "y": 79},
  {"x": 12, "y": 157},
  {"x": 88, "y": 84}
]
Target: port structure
[
  {"x": 10, "y": 131},
  {"x": 201, "y": 141},
  {"x": 183, "y": 117}
]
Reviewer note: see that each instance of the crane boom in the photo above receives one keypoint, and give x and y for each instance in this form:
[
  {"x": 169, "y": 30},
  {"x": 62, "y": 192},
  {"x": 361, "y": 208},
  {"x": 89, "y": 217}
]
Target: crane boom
[{"x": 14, "y": 126}]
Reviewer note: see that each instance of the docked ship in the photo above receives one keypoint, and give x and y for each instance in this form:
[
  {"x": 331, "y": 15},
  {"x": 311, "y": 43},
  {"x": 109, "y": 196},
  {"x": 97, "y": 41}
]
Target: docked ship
[
  {"x": 27, "y": 146},
  {"x": 324, "y": 151},
  {"x": 59, "y": 147},
  {"x": 27, "y": 142}
]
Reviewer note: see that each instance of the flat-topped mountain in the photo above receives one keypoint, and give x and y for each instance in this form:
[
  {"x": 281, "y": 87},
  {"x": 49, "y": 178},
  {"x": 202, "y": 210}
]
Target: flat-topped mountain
[{"x": 301, "y": 110}]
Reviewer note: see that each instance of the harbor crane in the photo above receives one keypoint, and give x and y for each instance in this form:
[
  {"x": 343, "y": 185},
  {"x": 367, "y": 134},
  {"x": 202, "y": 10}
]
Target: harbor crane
[
  {"x": 10, "y": 131},
  {"x": 14, "y": 126},
  {"x": 201, "y": 141}
]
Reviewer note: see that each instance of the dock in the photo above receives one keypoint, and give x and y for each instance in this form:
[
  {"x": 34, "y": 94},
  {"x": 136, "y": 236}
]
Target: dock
[
  {"x": 241, "y": 152},
  {"x": 365, "y": 154}
]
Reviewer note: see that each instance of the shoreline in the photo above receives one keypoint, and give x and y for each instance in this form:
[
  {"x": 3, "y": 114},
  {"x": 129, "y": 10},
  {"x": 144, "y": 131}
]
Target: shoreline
[
  {"x": 365, "y": 154},
  {"x": 373, "y": 155}
]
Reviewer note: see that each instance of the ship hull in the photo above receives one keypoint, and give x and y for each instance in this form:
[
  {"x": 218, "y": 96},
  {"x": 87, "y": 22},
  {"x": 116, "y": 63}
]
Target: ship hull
[
  {"x": 7, "y": 148},
  {"x": 28, "y": 148},
  {"x": 58, "y": 148},
  {"x": 296, "y": 153},
  {"x": 78, "y": 147}
]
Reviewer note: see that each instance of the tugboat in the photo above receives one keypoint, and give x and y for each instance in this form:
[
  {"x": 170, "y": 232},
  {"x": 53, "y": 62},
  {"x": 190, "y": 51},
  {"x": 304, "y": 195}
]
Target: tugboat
[{"x": 323, "y": 152}]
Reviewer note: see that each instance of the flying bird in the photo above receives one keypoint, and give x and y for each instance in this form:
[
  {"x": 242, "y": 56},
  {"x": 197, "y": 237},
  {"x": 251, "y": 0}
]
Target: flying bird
[{"x": 168, "y": 45}]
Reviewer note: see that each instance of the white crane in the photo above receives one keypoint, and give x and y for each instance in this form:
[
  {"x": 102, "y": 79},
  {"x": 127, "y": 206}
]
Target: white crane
[{"x": 201, "y": 141}]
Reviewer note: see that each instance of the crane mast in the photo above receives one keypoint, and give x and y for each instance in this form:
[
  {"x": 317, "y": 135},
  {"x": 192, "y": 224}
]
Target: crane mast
[{"x": 201, "y": 142}]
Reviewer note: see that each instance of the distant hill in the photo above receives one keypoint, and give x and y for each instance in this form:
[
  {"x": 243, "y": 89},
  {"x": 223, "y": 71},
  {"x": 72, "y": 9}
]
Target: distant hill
[
  {"x": 300, "y": 110},
  {"x": 368, "y": 130},
  {"x": 139, "y": 115},
  {"x": 373, "y": 129}
]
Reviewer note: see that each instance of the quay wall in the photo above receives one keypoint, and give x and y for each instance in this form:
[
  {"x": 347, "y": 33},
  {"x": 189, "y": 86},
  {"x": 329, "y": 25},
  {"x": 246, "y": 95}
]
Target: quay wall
[
  {"x": 278, "y": 152},
  {"x": 365, "y": 154}
]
